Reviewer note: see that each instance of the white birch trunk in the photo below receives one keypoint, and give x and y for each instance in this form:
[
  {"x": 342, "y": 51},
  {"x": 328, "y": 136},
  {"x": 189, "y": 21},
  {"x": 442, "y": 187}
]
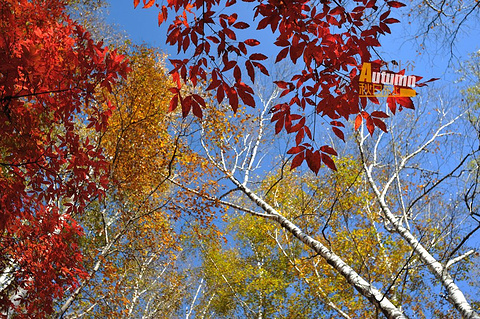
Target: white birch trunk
[
  {"x": 455, "y": 295},
  {"x": 375, "y": 296}
]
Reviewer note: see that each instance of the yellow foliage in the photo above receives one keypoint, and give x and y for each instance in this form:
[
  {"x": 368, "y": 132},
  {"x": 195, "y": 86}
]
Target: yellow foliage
[{"x": 137, "y": 141}]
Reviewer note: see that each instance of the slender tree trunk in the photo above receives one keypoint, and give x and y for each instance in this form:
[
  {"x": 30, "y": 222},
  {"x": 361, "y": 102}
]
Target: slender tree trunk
[
  {"x": 455, "y": 295},
  {"x": 375, "y": 296}
]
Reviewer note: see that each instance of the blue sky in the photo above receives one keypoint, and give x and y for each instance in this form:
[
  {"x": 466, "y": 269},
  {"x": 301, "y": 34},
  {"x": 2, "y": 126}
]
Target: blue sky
[
  {"x": 432, "y": 62},
  {"x": 141, "y": 25}
]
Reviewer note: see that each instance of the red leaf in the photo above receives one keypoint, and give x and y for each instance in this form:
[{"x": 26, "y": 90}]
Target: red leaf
[
  {"x": 337, "y": 10},
  {"x": 242, "y": 47},
  {"x": 385, "y": 27},
  {"x": 173, "y": 103},
  {"x": 337, "y": 123},
  {"x": 338, "y": 133},
  {"x": 370, "y": 125},
  {"x": 231, "y": 19},
  {"x": 296, "y": 150},
  {"x": 213, "y": 39},
  {"x": 331, "y": 20},
  {"x": 246, "y": 97},
  {"x": 370, "y": 4},
  {"x": 328, "y": 149},
  {"x": 380, "y": 124},
  {"x": 405, "y": 102},
  {"x": 384, "y": 15},
  {"x": 237, "y": 74},
  {"x": 281, "y": 84},
  {"x": 232, "y": 97},
  {"x": 258, "y": 56},
  {"x": 279, "y": 125},
  {"x": 135, "y": 3},
  {"x": 199, "y": 100},
  {"x": 220, "y": 94},
  {"x": 308, "y": 132},
  {"x": 395, "y": 4},
  {"x": 252, "y": 42},
  {"x": 241, "y": 25},
  {"x": 186, "y": 43},
  {"x": 300, "y": 136},
  {"x": 329, "y": 162},
  {"x": 282, "y": 54},
  {"x": 374, "y": 99},
  {"x": 391, "y": 21},
  {"x": 372, "y": 42},
  {"x": 228, "y": 65},
  {"x": 379, "y": 114},
  {"x": 263, "y": 23},
  {"x": 250, "y": 70},
  {"x": 262, "y": 68},
  {"x": 161, "y": 18},
  {"x": 282, "y": 42},
  {"x": 186, "y": 106},
  {"x": 297, "y": 126},
  {"x": 296, "y": 51},
  {"x": 197, "y": 110},
  {"x": 297, "y": 160},
  {"x": 392, "y": 105},
  {"x": 215, "y": 82},
  {"x": 230, "y": 34},
  {"x": 314, "y": 160}
]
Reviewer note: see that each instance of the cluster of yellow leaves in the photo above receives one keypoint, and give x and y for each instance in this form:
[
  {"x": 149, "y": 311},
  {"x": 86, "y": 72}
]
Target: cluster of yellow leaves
[
  {"x": 141, "y": 147},
  {"x": 146, "y": 147},
  {"x": 340, "y": 211},
  {"x": 245, "y": 278},
  {"x": 138, "y": 142}
]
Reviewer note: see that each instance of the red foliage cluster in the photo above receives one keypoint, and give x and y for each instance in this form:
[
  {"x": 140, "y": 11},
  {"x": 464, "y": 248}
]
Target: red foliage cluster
[
  {"x": 329, "y": 43},
  {"x": 49, "y": 71}
]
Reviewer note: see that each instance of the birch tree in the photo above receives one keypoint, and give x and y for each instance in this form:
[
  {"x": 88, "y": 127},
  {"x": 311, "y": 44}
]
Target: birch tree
[
  {"x": 421, "y": 249},
  {"x": 433, "y": 233},
  {"x": 130, "y": 245}
]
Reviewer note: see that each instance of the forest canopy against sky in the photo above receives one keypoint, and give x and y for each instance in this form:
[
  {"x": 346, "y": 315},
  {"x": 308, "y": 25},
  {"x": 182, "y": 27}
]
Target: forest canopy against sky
[{"x": 243, "y": 163}]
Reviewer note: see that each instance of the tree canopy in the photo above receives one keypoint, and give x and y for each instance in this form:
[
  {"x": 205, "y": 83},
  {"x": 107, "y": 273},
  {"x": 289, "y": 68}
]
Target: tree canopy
[
  {"x": 329, "y": 42},
  {"x": 139, "y": 185},
  {"x": 50, "y": 70}
]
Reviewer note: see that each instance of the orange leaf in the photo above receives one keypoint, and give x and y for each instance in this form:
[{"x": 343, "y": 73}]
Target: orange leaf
[
  {"x": 161, "y": 18},
  {"x": 358, "y": 122},
  {"x": 148, "y": 4}
]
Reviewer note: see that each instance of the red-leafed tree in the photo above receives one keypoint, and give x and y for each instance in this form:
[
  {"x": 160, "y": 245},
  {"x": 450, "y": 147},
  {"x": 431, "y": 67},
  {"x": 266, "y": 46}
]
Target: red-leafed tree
[
  {"x": 328, "y": 41},
  {"x": 49, "y": 71}
]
